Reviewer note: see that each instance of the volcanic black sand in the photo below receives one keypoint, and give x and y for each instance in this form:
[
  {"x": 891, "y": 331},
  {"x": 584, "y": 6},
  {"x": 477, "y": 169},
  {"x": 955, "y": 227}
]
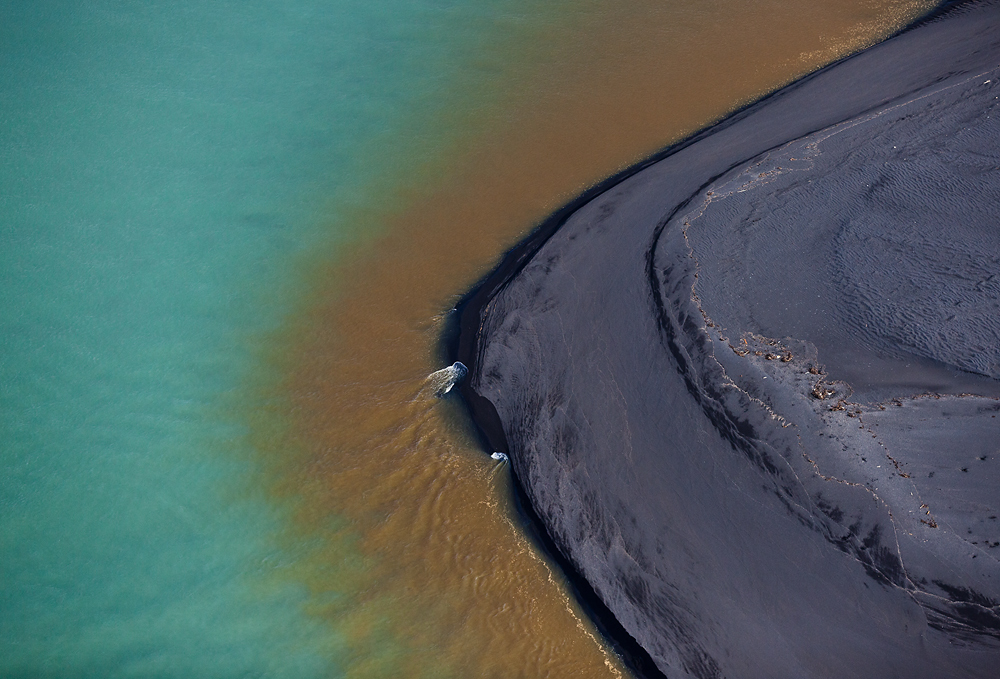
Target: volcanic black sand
[{"x": 750, "y": 388}]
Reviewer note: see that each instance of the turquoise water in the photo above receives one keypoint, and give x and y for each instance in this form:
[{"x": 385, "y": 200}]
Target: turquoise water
[{"x": 163, "y": 167}]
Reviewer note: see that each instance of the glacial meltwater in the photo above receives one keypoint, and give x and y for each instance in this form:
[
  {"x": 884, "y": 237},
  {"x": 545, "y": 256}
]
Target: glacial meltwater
[{"x": 230, "y": 235}]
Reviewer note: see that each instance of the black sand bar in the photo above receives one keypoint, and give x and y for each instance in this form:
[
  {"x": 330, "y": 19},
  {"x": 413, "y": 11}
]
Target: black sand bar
[{"x": 750, "y": 388}]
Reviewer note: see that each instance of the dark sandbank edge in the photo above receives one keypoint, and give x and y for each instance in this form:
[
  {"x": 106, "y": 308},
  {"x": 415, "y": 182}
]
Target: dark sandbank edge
[{"x": 460, "y": 341}]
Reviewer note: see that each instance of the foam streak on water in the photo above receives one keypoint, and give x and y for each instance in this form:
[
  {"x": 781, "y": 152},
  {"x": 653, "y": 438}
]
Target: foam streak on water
[{"x": 227, "y": 233}]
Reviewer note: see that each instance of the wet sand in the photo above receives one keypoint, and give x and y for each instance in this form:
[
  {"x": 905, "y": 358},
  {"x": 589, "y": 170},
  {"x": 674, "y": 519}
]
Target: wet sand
[{"x": 749, "y": 387}]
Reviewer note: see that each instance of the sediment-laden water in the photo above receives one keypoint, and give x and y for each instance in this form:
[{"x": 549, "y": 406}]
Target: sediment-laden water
[{"x": 229, "y": 234}]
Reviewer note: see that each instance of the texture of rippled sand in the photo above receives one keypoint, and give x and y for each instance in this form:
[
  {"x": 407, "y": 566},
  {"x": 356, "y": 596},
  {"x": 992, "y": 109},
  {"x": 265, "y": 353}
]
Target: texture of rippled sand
[{"x": 750, "y": 388}]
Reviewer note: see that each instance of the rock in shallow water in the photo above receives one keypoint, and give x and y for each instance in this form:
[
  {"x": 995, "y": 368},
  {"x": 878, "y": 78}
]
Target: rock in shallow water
[{"x": 735, "y": 383}]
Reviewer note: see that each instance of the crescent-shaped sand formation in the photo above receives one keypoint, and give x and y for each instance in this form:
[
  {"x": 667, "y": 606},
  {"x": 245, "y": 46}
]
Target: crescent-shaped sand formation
[{"x": 750, "y": 387}]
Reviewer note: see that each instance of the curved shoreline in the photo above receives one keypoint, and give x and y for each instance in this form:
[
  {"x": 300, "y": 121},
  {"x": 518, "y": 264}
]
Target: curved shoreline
[
  {"x": 467, "y": 346},
  {"x": 461, "y": 336}
]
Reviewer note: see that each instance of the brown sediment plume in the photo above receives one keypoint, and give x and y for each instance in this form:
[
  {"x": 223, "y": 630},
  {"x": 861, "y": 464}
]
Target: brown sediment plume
[{"x": 442, "y": 581}]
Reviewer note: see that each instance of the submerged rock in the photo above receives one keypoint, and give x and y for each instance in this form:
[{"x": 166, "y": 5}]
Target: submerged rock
[{"x": 444, "y": 380}]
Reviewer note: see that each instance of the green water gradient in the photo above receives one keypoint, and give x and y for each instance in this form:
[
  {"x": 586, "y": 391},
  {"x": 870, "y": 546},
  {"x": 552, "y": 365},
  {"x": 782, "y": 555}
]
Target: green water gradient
[{"x": 163, "y": 166}]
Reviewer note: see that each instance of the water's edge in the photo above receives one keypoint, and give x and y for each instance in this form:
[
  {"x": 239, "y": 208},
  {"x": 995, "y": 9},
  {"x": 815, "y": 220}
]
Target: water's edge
[{"x": 460, "y": 341}]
